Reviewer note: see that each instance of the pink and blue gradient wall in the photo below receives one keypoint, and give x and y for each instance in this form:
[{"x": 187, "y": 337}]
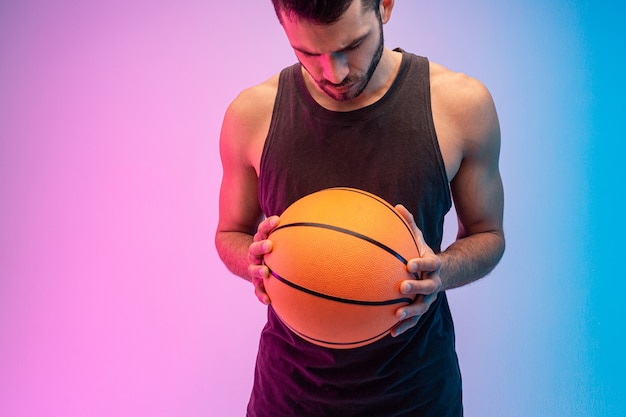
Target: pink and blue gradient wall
[{"x": 112, "y": 299}]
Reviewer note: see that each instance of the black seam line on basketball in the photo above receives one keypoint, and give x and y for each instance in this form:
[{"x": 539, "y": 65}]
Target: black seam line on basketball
[
  {"x": 305, "y": 336},
  {"x": 338, "y": 299},
  {"x": 347, "y": 232},
  {"x": 384, "y": 203}
]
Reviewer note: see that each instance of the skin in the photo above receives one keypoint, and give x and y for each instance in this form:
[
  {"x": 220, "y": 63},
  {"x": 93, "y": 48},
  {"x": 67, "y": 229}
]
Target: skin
[{"x": 467, "y": 129}]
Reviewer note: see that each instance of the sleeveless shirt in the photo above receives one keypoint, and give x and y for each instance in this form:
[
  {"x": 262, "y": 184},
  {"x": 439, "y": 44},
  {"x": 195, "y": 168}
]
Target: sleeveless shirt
[{"x": 388, "y": 148}]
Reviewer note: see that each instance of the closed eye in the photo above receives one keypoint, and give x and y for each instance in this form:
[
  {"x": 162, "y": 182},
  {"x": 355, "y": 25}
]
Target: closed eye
[{"x": 352, "y": 47}]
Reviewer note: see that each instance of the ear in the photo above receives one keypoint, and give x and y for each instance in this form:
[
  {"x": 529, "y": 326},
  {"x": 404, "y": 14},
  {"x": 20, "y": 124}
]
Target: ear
[{"x": 386, "y": 6}]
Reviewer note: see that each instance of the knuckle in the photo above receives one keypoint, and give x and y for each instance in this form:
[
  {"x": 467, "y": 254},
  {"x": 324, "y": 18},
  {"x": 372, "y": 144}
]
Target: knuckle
[{"x": 254, "y": 272}]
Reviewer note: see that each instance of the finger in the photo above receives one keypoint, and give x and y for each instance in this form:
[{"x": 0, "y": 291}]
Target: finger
[
  {"x": 404, "y": 325},
  {"x": 416, "y": 309},
  {"x": 258, "y": 249},
  {"x": 419, "y": 287},
  {"x": 406, "y": 214},
  {"x": 422, "y": 247},
  {"x": 265, "y": 228},
  {"x": 259, "y": 290},
  {"x": 258, "y": 271},
  {"x": 427, "y": 263},
  {"x": 409, "y": 316}
]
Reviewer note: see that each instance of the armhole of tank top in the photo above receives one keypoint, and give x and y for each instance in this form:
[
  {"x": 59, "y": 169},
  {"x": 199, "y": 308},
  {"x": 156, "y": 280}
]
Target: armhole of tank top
[
  {"x": 433, "y": 135},
  {"x": 270, "y": 133}
]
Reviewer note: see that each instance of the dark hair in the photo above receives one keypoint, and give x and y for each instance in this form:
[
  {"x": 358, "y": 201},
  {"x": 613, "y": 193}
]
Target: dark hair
[{"x": 319, "y": 11}]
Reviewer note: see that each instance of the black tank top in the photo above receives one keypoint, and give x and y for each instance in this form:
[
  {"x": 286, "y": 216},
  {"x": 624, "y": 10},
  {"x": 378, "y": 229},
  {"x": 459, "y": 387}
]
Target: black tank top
[{"x": 390, "y": 149}]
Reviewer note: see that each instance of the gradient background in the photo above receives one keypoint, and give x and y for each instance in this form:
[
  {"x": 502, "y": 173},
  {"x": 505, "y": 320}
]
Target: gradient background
[{"x": 113, "y": 301}]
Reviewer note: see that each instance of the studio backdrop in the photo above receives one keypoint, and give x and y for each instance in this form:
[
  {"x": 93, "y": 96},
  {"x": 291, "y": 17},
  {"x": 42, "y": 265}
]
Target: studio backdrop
[{"x": 113, "y": 301}]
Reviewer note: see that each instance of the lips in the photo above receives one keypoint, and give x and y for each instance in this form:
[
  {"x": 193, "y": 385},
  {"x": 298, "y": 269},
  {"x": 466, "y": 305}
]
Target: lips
[
  {"x": 344, "y": 91},
  {"x": 343, "y": 88}
]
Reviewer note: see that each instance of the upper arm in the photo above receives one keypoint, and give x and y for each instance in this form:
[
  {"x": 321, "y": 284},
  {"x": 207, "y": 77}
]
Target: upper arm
[
  {"x": 242, "y": 137},
  {"x": 477, "y": 186}
]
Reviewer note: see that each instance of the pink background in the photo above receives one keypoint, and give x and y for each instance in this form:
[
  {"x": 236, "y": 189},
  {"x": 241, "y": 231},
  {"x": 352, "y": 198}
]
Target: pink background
[{"x": 113, "y": 301}]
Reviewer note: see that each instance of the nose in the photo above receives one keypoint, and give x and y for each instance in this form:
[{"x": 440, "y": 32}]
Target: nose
[{"x": 335, "y": 67}]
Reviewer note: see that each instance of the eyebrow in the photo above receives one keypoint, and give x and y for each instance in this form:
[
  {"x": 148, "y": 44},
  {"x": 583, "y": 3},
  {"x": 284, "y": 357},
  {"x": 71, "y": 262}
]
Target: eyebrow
[{"x": 349, "y": 46}]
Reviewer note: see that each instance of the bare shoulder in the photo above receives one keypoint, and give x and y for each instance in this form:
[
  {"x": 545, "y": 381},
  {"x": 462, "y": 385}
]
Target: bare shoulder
[
  {"x": 255, "y": 100},
  {"x": 466, "y": 113},
  {"x": 464, "y": 99},
  {"x": 247, "y": 120}
]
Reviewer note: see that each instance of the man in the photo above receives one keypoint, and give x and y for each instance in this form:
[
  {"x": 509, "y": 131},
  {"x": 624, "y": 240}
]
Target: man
[{"x": 354, "y": 113}]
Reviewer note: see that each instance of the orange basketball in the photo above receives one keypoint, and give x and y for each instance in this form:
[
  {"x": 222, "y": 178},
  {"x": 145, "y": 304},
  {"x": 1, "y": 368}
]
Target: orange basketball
[{"x": 338, "y": 258}]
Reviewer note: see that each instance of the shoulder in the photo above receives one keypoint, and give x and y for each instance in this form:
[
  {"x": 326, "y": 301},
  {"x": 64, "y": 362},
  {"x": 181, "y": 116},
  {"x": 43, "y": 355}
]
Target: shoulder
[
  {"x": 247, "y": 118},
  {"x": 467, "y": 107},
  {"x": 253, "y": 105}
]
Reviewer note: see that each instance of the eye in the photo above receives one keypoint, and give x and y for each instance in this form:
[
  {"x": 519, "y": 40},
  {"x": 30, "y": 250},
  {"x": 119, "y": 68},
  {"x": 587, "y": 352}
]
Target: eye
[
  {"x": 306, "y": 54},
  {"x": 355, "y": 46}
]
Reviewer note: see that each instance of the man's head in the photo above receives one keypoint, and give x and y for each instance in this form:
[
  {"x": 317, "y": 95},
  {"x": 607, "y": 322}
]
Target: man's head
[
  {"x": 339, "y": 43},
  {"x": 318, "y": 11}
]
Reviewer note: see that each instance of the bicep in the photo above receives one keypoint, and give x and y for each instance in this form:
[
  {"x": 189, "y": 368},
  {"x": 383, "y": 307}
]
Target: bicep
[
  {"x": 242, "y": 138},
  {"x": 477, "y": 188},
  {"x": 479, "y": 200},
  {"x": 239, "y": 209}
]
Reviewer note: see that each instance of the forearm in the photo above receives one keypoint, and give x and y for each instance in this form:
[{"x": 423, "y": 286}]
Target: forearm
[
  {"x": 232, "y": 248},
  {"x": 470, "y": 258}
]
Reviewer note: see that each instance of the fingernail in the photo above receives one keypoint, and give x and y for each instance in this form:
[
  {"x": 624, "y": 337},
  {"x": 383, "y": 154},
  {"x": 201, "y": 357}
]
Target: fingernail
[
  {"x": 407, "y": 288},
  {"x": 403, "y": 315}
]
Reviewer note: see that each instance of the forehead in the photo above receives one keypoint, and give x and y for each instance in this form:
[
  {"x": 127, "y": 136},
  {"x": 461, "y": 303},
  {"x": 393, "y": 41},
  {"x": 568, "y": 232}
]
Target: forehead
[{"x": 310, "y": 36}]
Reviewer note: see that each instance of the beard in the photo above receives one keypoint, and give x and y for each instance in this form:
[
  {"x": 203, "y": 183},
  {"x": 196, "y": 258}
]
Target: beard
[{"x": 358, "y": 81}]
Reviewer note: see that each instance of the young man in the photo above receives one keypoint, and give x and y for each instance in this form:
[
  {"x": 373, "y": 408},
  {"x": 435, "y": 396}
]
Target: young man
[{"x": 353, "y": 113}]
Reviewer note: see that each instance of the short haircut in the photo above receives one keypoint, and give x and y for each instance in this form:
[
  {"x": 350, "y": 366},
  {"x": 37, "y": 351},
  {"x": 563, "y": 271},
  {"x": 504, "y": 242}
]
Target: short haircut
[{"x": 319, "y": 11}]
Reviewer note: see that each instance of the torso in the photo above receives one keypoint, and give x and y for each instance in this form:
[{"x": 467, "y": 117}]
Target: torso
[{"x": 310, "y": 147}]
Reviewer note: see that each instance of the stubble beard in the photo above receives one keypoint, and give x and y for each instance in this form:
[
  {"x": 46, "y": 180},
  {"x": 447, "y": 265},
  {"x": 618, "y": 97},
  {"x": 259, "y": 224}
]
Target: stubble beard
[{"x": 360, "y": 81}]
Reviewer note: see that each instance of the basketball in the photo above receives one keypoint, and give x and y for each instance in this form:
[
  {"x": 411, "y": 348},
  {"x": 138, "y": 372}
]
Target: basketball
[{"x": 337, "y": 261}]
